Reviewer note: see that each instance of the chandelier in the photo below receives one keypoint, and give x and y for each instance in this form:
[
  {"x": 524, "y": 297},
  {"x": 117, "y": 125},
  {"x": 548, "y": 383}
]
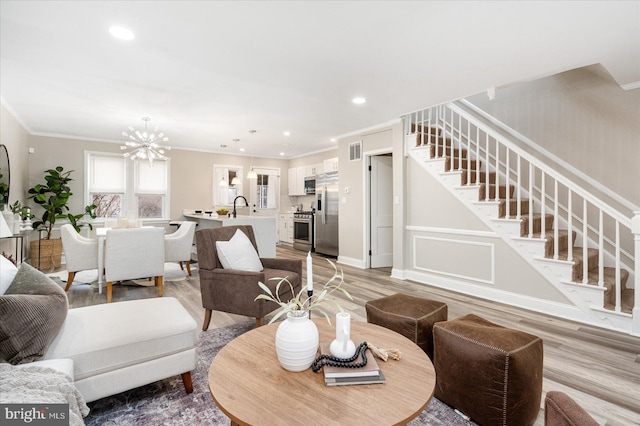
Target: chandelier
[{"x": 144, "y": 145}]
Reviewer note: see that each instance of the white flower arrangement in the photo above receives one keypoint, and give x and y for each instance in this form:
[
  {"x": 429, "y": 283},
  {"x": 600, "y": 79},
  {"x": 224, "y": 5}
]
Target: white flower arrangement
[{"x": 300, "y": 306}]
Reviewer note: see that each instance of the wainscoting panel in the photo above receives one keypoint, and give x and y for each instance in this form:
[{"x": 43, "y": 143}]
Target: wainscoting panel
[{"x": 469, "y": 260}]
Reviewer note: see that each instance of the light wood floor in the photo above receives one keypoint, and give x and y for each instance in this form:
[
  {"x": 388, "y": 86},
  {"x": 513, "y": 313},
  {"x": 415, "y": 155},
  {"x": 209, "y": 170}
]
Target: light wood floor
[{"x": 598, "y": 368}]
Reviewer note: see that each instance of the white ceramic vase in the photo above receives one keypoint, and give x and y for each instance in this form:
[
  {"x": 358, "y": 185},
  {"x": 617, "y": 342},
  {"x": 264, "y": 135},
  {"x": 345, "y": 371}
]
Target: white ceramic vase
[
  {"x": 343, "y": 346},
  {"x": 297, "y": 342}
]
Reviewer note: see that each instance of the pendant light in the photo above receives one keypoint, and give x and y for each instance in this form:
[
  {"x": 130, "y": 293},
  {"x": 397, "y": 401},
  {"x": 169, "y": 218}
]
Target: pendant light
[{"x": 252, "y": 173}]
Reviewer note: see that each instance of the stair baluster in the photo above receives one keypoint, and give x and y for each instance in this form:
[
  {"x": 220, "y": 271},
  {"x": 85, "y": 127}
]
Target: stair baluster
[{"x": 442, "y": 126}]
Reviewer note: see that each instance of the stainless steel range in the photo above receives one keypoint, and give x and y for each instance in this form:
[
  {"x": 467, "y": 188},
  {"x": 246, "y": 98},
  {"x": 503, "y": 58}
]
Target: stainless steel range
[{"x": 303, "y": 225}]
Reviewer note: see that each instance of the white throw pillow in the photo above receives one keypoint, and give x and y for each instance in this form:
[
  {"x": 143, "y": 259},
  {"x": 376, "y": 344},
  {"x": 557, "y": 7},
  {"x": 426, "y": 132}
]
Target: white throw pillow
[
  {"x": 238, "y": 253},
  {"x": 7, "y": 273}
]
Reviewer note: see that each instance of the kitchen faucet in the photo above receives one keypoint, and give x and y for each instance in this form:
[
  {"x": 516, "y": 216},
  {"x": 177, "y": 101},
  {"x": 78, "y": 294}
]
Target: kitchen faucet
[{"x": 234, "y": 204}]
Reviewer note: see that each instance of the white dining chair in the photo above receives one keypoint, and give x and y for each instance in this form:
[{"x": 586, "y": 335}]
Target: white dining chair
[
  {"x": 80, "y": 253},
  {"x": 134, "y": 253},
  {"x": 177, "y": 246}
]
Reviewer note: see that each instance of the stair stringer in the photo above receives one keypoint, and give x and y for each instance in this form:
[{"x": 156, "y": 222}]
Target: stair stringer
[{"x": 588, "y": 299}]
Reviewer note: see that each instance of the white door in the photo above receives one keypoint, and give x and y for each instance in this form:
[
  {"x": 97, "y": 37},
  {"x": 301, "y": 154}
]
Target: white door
[{"x": 381, "y": 190}]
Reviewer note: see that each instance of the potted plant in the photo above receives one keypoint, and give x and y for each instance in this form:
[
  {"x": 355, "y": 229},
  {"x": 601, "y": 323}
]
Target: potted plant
[{"x": 53, "y": 196}]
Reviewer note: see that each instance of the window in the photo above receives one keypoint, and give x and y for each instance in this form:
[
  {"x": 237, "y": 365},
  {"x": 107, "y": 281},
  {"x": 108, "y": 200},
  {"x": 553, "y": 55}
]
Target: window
[
  {"x": 265, "y": 189},
  {"x": 150, "y": 189},
  {"x": 225, "y": 188},
  {"x": 122, "y": 188}
]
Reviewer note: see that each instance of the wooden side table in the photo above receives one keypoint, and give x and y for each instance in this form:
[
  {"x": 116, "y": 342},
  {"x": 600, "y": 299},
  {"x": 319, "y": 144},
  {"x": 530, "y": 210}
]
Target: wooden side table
[{"x": 249, "y": 385}]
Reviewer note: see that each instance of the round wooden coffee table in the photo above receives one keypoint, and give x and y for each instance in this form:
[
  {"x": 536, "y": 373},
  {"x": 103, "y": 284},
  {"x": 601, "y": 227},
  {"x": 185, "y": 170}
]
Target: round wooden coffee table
[{"x": 249, "y": 385}]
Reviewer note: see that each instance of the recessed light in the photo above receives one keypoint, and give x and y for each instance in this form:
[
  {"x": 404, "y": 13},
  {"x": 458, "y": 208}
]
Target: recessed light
[
  {"x": 241, "y": 149},
  {"x": 122, "y": 33},
  {"x": 286, "y": 133},
  {"x": 358, "y": 100},
  {"x": 333, "y": 139},
  {"x": 282, "y": 153}
]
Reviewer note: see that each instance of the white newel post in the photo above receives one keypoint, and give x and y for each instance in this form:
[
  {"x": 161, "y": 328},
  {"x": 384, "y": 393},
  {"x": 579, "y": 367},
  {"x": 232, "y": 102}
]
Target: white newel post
[{"x": 635, "y": 229}]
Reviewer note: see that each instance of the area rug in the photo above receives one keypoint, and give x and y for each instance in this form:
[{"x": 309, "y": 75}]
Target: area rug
[{"x": 165, "y": 403}]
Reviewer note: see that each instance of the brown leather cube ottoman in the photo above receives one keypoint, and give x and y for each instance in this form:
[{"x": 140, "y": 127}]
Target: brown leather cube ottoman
[
  {"x": 491, "y": 373},
  {"x": 411, "y": 316}
]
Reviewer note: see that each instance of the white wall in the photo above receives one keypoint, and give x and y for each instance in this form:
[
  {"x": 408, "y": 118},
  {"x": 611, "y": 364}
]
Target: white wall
[
  {"x": 16, "y": 139},
  {"x": 583, "y": 117}
]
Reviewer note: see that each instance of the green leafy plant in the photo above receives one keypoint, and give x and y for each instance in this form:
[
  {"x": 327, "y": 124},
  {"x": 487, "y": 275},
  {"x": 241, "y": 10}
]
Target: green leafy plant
[
  {"x": 4, "y": 192},
  {"x": 16, "y": 207},
  {"x": 53, "y": 196},
  {"x": 300, "y": 304},
  {"x": 23, "y": 211}
]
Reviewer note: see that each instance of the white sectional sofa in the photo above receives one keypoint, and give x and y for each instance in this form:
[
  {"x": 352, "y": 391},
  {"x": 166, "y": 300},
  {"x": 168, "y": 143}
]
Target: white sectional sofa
[{"x": 107, "y": 348}]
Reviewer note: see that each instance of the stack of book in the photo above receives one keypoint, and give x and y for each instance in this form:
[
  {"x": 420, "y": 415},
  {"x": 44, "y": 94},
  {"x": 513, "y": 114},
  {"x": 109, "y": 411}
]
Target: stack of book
[{"x": 340, "y": 376}]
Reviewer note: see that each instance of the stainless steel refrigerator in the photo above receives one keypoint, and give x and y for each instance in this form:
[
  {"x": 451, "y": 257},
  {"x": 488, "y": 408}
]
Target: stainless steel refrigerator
[{"x": 326, "y": 219}]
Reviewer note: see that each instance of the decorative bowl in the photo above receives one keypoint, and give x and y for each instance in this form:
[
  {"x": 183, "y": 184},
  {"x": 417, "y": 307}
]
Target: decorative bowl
[{"x": 222, "y": 212}]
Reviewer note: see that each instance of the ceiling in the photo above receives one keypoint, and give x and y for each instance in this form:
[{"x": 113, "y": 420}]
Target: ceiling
[{"x": 207, "y": 72}]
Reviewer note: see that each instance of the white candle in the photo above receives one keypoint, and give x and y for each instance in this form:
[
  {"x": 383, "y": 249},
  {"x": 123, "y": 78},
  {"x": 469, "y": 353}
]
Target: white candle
[{"x": 309, "y": 273}]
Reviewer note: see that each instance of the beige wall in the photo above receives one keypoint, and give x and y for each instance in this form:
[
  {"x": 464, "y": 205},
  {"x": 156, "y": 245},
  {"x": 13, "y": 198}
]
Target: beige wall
[
  {"x": 16, "y": 139},
  {"x": 352, "y": 175},
  {"x": 584, "y": 118},
  {"x": 476, "y": 256},
  {"x": 191, "y": 184}
]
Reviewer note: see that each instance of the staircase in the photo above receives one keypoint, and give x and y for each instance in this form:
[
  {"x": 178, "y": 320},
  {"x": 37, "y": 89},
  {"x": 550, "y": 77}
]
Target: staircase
[{"x": 580, "y": 244}]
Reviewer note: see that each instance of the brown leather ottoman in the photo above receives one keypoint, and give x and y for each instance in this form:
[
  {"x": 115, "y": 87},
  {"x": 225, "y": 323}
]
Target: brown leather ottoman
[
  {"x": 491, "y": 373},
  {"x": 411, "y": 316}
]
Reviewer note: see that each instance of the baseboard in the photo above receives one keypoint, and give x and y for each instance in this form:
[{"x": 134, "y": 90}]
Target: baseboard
[
  {"x": 398, "y": 274},
  {"x": 350, "y": 261},
  {"x": 560, "y": 310}
]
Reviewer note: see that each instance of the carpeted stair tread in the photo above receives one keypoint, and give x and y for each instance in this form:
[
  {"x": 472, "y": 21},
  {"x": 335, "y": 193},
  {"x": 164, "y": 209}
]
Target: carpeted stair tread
[
  {"x": 419, "y": 128},
  {"x": 482, "y": 178},
  {"x": 563, "y": 242},
  {"x": 456, "y": 160},
  {"x": 627, "y": 300},
  {"x": 502, "y": 192},
  {"x": 609, "y": 280},
  {"x": 423, "y": 139},
  {"x": 513, "y": 208},
  {"x": 458, "y": 164},
  {"x": 578, "y": 258},
  {"x": 537, "y": 223},
  {"x": 445, "y": 151}
]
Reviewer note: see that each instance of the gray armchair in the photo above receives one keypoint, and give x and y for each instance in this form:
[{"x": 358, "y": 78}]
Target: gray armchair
[{"x": 234, "y": 291}]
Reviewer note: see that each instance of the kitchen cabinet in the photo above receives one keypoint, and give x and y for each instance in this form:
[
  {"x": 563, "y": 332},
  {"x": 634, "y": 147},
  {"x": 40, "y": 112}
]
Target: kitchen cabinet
[
  {"x": 330, "y": 165},
  {"x": 313, "y": 169},
  {"x": 297, "y": 175},
  {"x": 285, "y": 228},
  {"x": 296, "y": 181}
]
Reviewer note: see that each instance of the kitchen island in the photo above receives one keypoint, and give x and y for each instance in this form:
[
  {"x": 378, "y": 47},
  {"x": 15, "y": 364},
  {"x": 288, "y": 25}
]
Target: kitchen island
[{"x": 264, "y": 228}]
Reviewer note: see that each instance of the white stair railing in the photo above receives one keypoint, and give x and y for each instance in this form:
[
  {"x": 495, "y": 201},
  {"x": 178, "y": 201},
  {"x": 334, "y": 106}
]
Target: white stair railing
[{"x": 595, "y": 223}]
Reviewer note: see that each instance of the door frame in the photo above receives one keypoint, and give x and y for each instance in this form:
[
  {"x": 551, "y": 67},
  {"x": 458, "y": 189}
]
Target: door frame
[{"x": 367, "y": 202}]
